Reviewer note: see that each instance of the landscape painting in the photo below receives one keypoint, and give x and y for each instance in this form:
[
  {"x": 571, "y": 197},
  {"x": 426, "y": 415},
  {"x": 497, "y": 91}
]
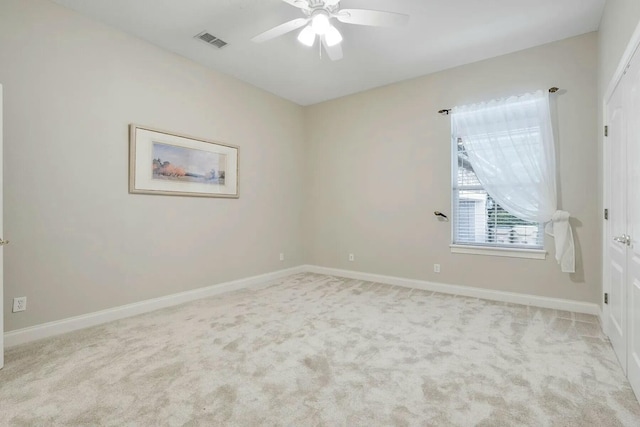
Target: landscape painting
[
  {"x": 170, "y": 164},
  {"x": 175, "y": 163}
]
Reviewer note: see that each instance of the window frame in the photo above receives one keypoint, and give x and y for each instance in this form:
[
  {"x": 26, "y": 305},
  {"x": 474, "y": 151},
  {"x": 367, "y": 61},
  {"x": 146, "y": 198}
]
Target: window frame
[{"x": 499, "y": 250}]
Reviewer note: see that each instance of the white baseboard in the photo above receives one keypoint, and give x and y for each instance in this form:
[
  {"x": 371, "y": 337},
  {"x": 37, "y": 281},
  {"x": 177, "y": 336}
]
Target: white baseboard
[
  {"x": 489, "y": 294},
  {"x": 45, "y": 330}
]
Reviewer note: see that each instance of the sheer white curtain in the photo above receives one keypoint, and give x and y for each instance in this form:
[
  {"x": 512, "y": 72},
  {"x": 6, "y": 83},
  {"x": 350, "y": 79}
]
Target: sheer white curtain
[{"x": 511, "y": 148}]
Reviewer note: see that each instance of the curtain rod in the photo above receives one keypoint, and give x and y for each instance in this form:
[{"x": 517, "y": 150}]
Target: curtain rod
[{"x": 446, "y": 112}]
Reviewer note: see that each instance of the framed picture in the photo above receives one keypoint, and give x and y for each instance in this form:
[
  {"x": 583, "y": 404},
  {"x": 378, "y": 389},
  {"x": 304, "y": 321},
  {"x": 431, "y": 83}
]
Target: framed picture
[{"x": 169, "y": 164}]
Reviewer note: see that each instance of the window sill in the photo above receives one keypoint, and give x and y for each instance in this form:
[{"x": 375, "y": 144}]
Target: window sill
[{"x": 503, "y": 252}]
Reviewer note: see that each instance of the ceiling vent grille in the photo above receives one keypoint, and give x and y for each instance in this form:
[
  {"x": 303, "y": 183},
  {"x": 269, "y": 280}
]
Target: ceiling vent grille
[{"x": 211, "y": 39}]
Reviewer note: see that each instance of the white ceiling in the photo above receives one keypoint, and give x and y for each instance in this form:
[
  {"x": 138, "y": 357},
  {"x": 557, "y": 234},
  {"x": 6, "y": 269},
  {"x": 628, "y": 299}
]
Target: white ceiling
[{"x": 441, "y": 34}]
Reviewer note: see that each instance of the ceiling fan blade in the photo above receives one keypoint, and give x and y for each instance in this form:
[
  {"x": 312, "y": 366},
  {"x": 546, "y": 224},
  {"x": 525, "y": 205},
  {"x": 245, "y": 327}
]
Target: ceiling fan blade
[
  {"x": 374, "y": 18},
  {"x": 280, "y": 30},
  {"x": 334, "y": 52},
  {"x": 301, "y": 4}
]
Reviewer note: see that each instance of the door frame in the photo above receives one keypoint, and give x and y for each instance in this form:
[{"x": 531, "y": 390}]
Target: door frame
[
  {"x": 1, "y": 227},
  {"x": 632, "y": 48}
]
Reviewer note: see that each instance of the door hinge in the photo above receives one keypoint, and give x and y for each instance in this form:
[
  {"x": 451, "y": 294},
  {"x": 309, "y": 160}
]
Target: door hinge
[
  {"x": 606, "y": 131},
  {"x": 606, "y": 298},
  {"x": 606, "y": 214}
]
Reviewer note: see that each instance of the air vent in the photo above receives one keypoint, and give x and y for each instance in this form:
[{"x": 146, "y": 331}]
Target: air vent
[{"x": 211, "y": 39}]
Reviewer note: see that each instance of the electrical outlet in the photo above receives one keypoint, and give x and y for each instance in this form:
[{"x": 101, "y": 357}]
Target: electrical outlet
[
  {"x": 352, "y": 257},
  {"x": 436, "y": 268},
  {"x": 281, "y": 257},
  {"x": 19, "y": 304}
]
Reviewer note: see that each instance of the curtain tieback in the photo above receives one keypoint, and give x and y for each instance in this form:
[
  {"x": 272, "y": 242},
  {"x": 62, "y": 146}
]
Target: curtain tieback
[{"x": 560, "y": 229}]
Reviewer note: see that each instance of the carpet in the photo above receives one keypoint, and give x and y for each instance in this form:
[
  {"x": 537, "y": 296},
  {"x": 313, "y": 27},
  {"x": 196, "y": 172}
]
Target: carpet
[{"x": 316, "y": 350}]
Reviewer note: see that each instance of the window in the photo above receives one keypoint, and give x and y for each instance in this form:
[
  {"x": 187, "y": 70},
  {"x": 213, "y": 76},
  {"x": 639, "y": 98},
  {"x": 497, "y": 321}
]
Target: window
[
  {"x": 504, "y": 180},
  {"x": 478, "y": 220}
]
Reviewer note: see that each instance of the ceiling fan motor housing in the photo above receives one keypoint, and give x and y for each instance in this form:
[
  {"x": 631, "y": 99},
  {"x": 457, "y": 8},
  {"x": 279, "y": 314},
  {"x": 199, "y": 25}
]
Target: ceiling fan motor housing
[
  {"x": 321, "y": 6},
  {"x": 315, "y": 3}
]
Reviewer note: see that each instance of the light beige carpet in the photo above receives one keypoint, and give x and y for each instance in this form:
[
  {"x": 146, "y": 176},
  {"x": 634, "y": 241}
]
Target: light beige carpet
[{"x": 316, "y": 350}]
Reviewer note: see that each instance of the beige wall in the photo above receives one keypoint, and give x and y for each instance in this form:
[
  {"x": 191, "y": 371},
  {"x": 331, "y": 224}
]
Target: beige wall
[
  {"x": 380, "y": 166},
  {"x": 80, "y": 242},
  {"x": 619, "y": 21}
]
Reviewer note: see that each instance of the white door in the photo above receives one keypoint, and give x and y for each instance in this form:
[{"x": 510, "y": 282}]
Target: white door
[
  {"x": 1, "y": 244},
  {"x": 633, "y": 223},
  {"x": 623, "y": 229},
  {"x": 617, "y": 225}
]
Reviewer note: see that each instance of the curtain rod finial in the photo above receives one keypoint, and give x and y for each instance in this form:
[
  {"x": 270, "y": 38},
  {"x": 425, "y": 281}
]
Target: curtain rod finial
[
  {"x": 444, "y": 112},
  {"x": 553, "y": 90}
]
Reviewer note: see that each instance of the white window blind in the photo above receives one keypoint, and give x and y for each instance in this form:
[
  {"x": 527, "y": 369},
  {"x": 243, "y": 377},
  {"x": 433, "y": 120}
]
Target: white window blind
[{"x": 477, "y": 219}]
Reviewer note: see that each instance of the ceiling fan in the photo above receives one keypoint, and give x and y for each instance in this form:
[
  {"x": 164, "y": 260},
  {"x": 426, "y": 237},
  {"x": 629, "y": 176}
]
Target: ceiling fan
[{"x": 317, "y": 22}]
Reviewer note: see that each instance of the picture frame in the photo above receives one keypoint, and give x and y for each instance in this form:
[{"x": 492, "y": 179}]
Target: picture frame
[{"x": 170, "y": 164}]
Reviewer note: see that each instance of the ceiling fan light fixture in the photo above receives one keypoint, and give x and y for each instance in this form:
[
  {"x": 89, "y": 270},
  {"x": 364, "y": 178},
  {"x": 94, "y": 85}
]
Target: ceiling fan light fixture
[
  {"x": 332, "y": 37},
  {"x": 307, "y": 36},
  {"x": 320, "y": 23}
]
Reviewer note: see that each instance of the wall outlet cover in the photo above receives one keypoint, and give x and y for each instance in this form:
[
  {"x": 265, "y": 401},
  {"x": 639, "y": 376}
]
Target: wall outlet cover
[{"x": 19, "y": 304}]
